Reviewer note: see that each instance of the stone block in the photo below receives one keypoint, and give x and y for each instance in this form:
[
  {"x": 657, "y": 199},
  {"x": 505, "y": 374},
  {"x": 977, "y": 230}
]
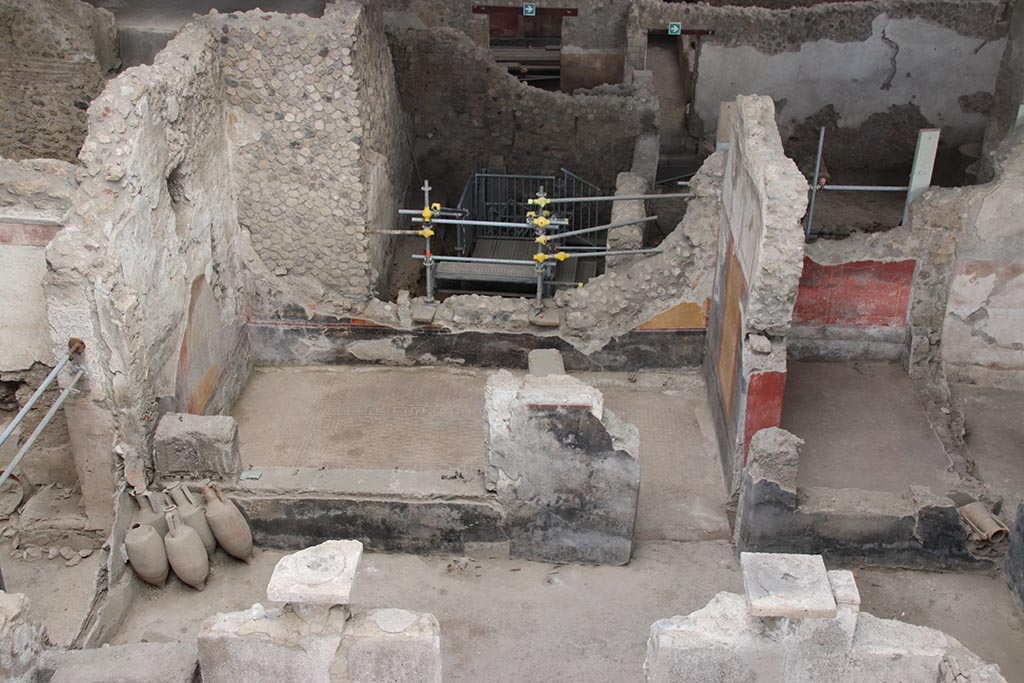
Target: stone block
[
  {"x": 785, "y": 585},
  {"x": 321, "y": 575},
  {"x": 270, "y": 645},
  {"x": 131, "y": 663},
  {"x": 197, "y": 447},
  {"x": 546, "y": 362},
  {"x": 21, "y": 641},
  {"x": 392, "y": 645}
]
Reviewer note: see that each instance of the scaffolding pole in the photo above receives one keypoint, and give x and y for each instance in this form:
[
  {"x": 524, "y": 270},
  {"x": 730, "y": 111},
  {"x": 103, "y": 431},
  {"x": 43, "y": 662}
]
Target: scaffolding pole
[{"x": 620, "y": 198}]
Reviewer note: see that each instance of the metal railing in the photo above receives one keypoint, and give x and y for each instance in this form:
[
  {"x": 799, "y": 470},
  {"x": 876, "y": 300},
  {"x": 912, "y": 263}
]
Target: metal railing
[{"x": 75, "y": 347}]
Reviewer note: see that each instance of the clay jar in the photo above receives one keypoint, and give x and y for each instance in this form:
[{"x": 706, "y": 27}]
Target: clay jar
[
  {"x": 227, "y": 523},
  {"x": 147, "y": 554},
  {"x": 151, "y": 510},
  {"x": 185, "y": 551},
  {"x": 191, "y": 513}
]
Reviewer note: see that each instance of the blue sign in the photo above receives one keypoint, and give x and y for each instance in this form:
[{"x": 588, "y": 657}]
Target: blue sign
[
  {"x": 529, "y": 9},
  {"x": 675, "y": 28}
]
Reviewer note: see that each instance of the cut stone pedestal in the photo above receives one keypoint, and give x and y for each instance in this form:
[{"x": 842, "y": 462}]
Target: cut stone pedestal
[
  {"x": 392, "y": 645},
  {"x": 197, "y": 447},
  {"x": 783, "y": 585},
  {"x": 546, "y": 362},
  {"x": 316, "y": 578}
]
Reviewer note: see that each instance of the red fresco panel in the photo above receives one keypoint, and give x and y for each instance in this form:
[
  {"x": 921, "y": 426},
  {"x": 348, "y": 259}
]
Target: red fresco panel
[
  {"x": 764, "y": 404},
  {"x": 858, "y": 294}
]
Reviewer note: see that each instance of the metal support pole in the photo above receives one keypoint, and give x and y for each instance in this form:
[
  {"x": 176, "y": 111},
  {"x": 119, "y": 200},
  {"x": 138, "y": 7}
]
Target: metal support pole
[
  {"x": 32, "y": 401},
  {"x": 599, "y": 228},
  {"x": 489, "y": 224},
  {"x": 814, "y": 184},
  {"x": 867, "y": 188},
  {"x": 428, "y": 264},
  {"x": 470, "y": 259},
  {"x": 540, "y": 287},
  {"x": 924, "y": 163},
  {"x": 622, "y": 252},
  {"x": 42, "y": 425},
  {"x": 613, "y": 198}
]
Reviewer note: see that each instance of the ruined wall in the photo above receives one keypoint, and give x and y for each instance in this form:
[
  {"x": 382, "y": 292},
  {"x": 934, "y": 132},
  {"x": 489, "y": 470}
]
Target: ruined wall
[
  {"x": 760, "y": 255},
  {"x": 806, "y": 59},
  {"x": 34, "y": 198},
  {"x": 984, "y": 321},
  {"x": 466, "y": 109},
  {"x": 592, "y": 42},
  {"x": 54, "y": 58},
  {"x": 320, "y": 151},
  {"x": 147, "y": 269}
]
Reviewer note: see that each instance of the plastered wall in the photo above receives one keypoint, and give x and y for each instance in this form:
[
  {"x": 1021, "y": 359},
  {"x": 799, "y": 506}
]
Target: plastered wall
[
  {"x": 147, "y": 270},
  {"x": 870, "y": 71},
  {"x": 55, "y": 56}
]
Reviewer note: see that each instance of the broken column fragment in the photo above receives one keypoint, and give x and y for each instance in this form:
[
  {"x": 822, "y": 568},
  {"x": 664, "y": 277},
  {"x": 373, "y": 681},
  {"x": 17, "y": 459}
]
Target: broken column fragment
[
  {"x": 565, "y": 469},
  {"x": 197, "y": 447},
  {"x": 313, "y": 638}
]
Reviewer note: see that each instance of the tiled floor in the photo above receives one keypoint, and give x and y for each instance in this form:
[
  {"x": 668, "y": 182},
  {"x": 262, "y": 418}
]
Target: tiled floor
[
  {"x": 363, "y": 418},
  {"x": 864, "y": 427}
]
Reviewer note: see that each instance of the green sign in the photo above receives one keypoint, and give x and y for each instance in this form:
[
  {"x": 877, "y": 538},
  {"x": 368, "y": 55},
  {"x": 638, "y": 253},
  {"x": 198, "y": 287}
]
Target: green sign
[
  {"x": 675, "y": 28},
  {"x": 529, "y": 9}
]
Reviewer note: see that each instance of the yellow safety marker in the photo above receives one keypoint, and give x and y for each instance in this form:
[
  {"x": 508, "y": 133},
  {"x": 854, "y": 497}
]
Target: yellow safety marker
[
  {"x": 427, "y": 214},
  {"x": 426, "y": 232},
  {"x": 539, "y": 201},
  {"x": 543, "y": 239},
  {"x": 541, "y": 257},
  {"x": 435, "y": 207},
  {"x": 531, "y": 214},
  {"x": 541, "y": 222}
]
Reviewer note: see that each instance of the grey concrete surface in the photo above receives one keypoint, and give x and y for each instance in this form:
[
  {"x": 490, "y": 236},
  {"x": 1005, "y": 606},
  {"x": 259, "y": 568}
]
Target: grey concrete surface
[
  {"x": 59, "y": 596},
  {"x": 863, "y": 427},
  {"x": 995, "y": 432},
  {"x": 513, "y": 620}
]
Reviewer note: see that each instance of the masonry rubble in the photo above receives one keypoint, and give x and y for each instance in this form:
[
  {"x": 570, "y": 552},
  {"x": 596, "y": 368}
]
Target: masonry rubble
[
  {"x": 796, "y": 623},
  {"x": 565, "y": 469}
]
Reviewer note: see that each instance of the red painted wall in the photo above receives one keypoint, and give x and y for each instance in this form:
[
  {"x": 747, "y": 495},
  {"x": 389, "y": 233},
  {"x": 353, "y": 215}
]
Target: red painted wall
[
  {"x": 857, "y": 294},
  {"x": 764, "y": 405}
]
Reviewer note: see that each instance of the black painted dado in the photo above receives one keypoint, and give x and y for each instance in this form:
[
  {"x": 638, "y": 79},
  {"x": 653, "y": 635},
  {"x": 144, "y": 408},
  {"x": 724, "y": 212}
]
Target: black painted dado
[
  {"x": 294, "y": 339},
  {"x": 296, "y": 522}
]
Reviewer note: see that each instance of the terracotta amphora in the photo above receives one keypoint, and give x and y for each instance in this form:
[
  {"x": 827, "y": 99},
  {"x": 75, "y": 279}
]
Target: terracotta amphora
[
  {"x": 227, "y": 522},
  {"x": 191, "y": 512},
  {"x": 185, "y": 551},
  {"x": 146, "y": 553},
  {"x": 151, "y": 510}
]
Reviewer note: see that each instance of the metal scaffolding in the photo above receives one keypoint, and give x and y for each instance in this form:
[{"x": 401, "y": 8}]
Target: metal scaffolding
[{"x": 528, "y": 234}]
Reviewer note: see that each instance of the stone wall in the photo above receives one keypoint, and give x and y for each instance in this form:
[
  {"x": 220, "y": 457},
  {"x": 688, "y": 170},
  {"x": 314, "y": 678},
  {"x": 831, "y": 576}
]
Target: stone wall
[
  {"x": 158, "y": 298},
  {"x": 54, "y": 59},
  {"x": 460, "y": 122},
  {"x": 319, "y": 151},
  {"x": 806, "y": 57},
  {"x": 758, "y": 266}
]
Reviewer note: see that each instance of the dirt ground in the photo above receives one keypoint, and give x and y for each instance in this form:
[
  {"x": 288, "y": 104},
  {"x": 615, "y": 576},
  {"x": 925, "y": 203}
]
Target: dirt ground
[{"x": 512, "y": 620}]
